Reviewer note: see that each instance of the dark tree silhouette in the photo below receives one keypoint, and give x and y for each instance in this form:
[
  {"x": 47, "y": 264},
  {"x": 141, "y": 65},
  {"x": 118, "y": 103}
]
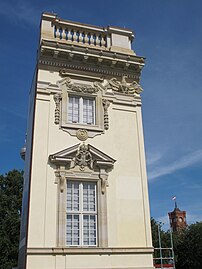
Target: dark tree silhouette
[{"x": 11, "y": 185}]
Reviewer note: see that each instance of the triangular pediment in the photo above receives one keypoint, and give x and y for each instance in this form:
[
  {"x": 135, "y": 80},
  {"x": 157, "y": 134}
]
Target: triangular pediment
[{"x": 82, "y": 155}]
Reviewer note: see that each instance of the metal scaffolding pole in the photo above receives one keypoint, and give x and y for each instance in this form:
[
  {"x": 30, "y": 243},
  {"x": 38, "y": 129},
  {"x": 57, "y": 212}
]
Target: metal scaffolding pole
[{"x": 159, "y": 235}]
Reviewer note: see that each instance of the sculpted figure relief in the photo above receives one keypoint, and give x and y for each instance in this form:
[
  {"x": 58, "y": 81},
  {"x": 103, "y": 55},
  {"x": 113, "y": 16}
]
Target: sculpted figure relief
[
  {"x": 83, "y": 157},
  {"x": 123, "y": 86},
  {"x": 120, "y": 86}
]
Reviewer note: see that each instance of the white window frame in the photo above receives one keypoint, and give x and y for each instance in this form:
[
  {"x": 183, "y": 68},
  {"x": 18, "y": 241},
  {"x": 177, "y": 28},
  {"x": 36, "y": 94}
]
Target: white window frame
[
  {"x": 81, "y": 213},
  {"x": 81, "y": 110}
]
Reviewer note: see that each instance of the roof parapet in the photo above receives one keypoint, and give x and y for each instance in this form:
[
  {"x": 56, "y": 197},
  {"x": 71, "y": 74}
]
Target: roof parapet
[{"x": 109, "y": 38}]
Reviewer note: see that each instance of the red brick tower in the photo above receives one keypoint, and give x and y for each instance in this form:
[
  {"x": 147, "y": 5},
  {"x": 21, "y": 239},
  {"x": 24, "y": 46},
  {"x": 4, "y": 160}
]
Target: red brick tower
[{"x": 177, "y": 219}]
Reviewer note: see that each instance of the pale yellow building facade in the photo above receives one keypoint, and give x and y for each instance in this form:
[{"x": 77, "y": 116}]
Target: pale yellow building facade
[{"x": 85, "y": 200}]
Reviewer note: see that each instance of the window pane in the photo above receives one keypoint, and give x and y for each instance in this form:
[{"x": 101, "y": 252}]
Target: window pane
[
  {"x": 72, "y": 230},
  {"x": 72, "y": 196},
  {"x": 89, "y": 198},
  {"x": 88, "y": 111},
  {"x": 89, "y": 230},
  {"x": 73, "y": 109}
]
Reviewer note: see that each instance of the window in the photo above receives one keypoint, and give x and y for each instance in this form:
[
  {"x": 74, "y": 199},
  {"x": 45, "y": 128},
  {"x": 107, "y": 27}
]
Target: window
[
  {"x": 81, "y": 214},
  {"x": 81, "y": 110}
]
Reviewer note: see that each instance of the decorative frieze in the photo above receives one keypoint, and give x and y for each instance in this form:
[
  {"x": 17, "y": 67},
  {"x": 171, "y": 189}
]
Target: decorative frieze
[
  {"x": 77, "y": 87},
  {"x": 132, "y": 74},
  {"x": 57, "y": 98}
]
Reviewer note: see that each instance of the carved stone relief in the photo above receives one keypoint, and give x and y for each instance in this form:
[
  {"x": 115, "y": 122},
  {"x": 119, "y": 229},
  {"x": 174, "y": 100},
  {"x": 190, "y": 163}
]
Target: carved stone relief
[
  {"x": 83, "y": 157},
  {"x": 106, "y": 104},
  {"x": 82, "y": 134},
  {"x": 120, "y": 86},
  {"x": 77, "y": 87},
  {"x": 57, "y": 98}
]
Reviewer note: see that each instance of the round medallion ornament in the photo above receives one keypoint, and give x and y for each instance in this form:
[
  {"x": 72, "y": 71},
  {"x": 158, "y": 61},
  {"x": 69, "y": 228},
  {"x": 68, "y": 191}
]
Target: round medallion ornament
[{"x": 82, "y": 134}]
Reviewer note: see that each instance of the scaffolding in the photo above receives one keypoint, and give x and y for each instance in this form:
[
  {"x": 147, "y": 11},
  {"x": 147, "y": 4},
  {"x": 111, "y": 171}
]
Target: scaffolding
[{"x": 165, "y": 262}]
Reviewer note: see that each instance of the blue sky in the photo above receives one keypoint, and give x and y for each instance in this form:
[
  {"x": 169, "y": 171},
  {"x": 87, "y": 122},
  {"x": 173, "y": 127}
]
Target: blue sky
[{"x": 169, "y": 34}]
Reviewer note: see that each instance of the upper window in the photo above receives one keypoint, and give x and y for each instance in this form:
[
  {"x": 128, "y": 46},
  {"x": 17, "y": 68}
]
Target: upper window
[
  {"x": 81, "y": 214},
  {"x": 81, "y": 110}
]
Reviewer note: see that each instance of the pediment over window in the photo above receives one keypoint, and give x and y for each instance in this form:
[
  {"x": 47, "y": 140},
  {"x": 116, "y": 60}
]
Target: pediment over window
[{"x": 84, "y": 156}]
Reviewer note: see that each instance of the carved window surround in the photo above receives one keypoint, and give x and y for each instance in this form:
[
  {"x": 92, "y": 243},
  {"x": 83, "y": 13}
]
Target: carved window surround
[
  {"x": 85, "y": 90},
  {"x": 102, "y": 93},
  {"x": 82, "y": 163}
]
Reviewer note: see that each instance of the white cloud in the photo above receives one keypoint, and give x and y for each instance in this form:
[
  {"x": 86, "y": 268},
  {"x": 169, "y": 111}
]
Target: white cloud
[
  {"x": 193, "y": 218},
  {"x": 181, "y": 163},
  {"x": 152, "y": 158},
  {"x": 19, "y": 12}
]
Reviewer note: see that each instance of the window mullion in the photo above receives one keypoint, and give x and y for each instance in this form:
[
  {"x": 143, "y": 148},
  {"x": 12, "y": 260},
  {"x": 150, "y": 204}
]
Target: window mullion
[
  {"x": 81, "y": 110},
  {"x": 94, "y": 112},
  {"x": 80, "y": 213},
  {"x": 87, "y": 109}
]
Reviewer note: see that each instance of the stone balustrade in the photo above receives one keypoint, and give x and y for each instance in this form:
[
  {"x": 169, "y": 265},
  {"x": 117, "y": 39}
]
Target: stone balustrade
[{"x": 80, "y": 36}]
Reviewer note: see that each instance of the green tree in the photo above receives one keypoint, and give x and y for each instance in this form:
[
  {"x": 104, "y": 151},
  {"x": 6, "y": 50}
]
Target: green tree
[
  {"x": 188, "y": 247},
  {"x": 11, "y": 185}
]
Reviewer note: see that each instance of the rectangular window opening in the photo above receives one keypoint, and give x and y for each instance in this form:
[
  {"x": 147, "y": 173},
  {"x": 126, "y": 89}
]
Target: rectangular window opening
[
  {"x": 81, "y": 214},
  {"x": 81, "y": 110}
]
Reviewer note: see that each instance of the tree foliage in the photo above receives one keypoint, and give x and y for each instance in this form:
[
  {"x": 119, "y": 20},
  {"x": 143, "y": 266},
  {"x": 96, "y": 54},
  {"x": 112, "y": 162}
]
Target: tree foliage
[
  {"x": 187, "y": 244},
  {"x": 11, "y": 185}
]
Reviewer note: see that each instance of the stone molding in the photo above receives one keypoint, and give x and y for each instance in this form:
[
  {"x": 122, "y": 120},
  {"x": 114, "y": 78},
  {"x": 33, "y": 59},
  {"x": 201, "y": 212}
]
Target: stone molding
[
  {"x": 89, "y": 250},
  {"x": 91, "y": 69}
]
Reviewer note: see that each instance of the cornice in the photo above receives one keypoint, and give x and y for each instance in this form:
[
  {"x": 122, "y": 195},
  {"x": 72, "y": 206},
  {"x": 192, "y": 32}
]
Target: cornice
[
  {"x": 68, "y": 46},
  {"x": 63, "y": 55}
]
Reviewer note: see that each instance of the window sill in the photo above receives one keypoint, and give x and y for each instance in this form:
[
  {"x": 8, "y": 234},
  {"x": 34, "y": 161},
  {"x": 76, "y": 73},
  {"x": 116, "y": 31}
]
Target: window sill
[{"x": 72, "y": 128}]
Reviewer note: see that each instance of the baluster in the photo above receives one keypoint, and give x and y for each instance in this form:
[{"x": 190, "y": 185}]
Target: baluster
[
  {"x": 91, "y": 40},
  {"x": 69, "y": 35},
  {"x": 57, "y": 33},
  {"x": 63, "y": 34},
  {"x": 74, "y": 37},
  {"x": 102, "y": 42},
  {"x": 60, "y": 30},
  {"x": 80, "y": 38},
  {"x": 86, "y": 39},
  {"x": 97, "y": 40}
]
